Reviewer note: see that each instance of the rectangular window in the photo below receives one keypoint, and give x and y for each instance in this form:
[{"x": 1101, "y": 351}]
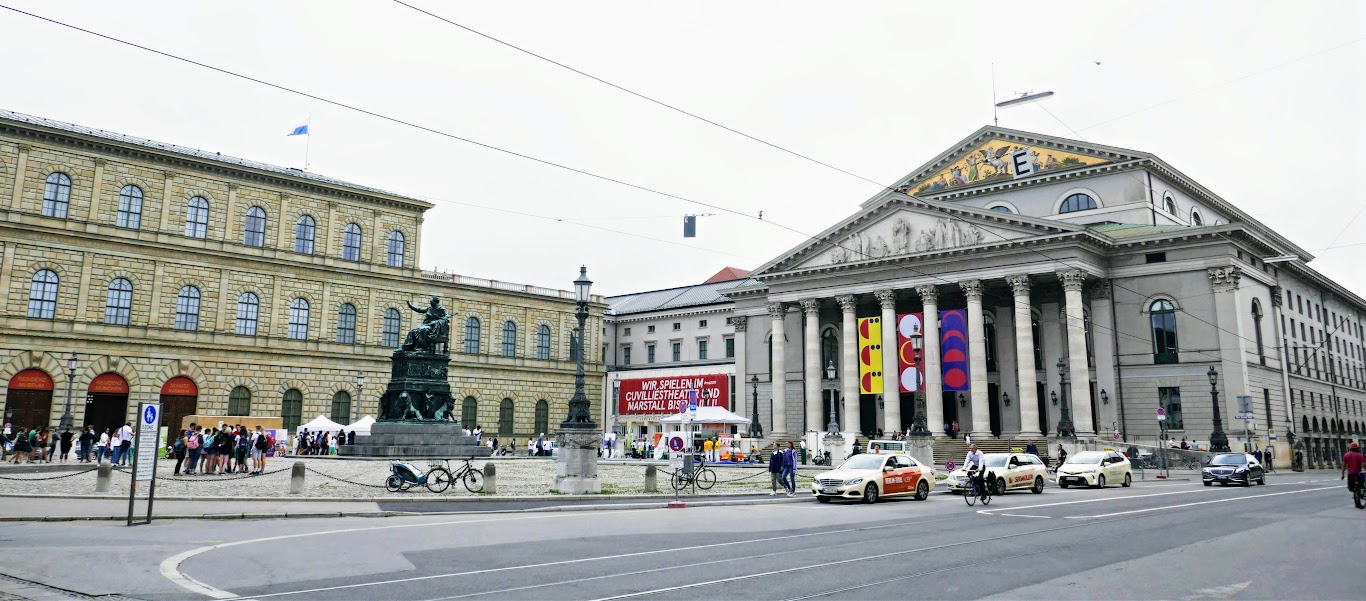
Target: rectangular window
[
  {"x": 1170, "y": 400},
  {"x": 1292, "y": 328},
  {"x": 650, "y": 353},
  {"x": 678, "y": 351},
  {"x": 1299, "y": 302},
  {"x": 1156, "y": 258},
  {"x": 625, "y": 332},
  {"x": 701, "y": 350},
  {"x": 649, "y": 329},
  {"x": 625, "y": 355},
  {"x": 701, "y": 323},
  {"x": 678, "y": 326},
  {"x": 730, "y": 348}
]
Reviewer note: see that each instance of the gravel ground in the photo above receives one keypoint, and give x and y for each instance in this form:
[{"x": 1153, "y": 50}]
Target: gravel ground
[{"x": 515, "y": 478}]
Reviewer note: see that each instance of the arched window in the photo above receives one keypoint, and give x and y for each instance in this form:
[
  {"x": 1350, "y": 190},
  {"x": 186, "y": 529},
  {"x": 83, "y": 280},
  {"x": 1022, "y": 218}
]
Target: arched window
[
  {"x": 469, "y": 412},
  {"x": 130, "y": 207},
  {"x": 1304, "y": 421},
  {"x": 197, "y": 217},
  {"x": 1169, "y": 205},
  {"x": 509, "y": 339},
  {"x": 239, "y": 401},
  {"x": 989, "y": 336},
  {"x": 1196, "y": 219},
  {"x": 57, "y": 195},
  {"x": 341, "y": 407},
  {"x": 292, "y": 409},
  {"x": 395, "y": 247},
  {"x": 1001, "y": 209},
  {"x": 830, "y": 353},
  {"x": 392, "y": 323},
  {"x": 542, "y": 416},
  {"x": 346, "y": 324},
  {"x": 505, "y": 417},
  {"x": 1036, "y": 333},
  {"x": 255, "y": 234},
  {"x": 472, "y": 335},
  {"x": 298, "y": 319},
  {"x": 304, "y": 232},
  {"x": 1257, "y": 327},
  {"x": 118, "y": 303},
  {"x": 1164, "y": 331},
  {"x": 351, "y": 242},
  {"x": 248, "y": 308},
  {"x": 543, "y": 342},
  {"x": 1077, "y": 202},
  {"x": 187, "y": 309}
]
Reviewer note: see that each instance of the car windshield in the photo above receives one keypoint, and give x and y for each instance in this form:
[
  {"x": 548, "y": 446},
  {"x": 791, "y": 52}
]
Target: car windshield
[
  {"x": 1086, "y": 457},
  {"x": 1229, "y": 460},
  {"x": 864, "y": 462},
  {"x": 995, "y": 460}
]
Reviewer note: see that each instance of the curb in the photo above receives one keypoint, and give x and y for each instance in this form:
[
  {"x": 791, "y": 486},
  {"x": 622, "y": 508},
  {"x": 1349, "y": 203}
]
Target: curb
[{"x": 423, "y": 499}]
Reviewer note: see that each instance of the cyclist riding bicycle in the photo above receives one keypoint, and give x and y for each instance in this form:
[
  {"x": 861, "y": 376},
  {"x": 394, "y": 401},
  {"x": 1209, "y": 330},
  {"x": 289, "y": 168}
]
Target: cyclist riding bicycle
[
  {"x": 1351, "y": 467},
  {"x": 975, "y": 464}
]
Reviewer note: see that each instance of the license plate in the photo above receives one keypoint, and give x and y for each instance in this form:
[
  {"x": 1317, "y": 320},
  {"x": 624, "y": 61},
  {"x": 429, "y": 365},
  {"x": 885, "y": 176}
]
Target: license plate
[{"x": 830, "y": 491}]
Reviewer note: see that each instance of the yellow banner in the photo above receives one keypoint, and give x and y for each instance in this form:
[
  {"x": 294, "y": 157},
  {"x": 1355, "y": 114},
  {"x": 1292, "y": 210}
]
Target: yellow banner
[{"x": 870, "y": 355}]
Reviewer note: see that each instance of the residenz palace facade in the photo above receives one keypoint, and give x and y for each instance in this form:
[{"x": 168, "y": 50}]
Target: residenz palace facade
[
  {"x": 226, "y": 287},
  {"x": 1091, "y": 277}
]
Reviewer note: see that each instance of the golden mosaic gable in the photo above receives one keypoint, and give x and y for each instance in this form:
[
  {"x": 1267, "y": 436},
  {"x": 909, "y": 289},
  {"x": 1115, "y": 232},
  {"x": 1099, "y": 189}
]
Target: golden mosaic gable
[{"x": 990, "y": 162}]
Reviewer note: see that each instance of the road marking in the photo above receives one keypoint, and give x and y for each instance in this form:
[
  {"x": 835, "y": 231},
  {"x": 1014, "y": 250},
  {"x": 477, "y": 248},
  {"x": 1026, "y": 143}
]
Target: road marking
[
  {"x": 170, "y": 567},
  {"x": 1099, "y": 500},
  {"x": 1228, "y": 500},
  {"x": 1218, "y": 592},
  {"x": 1020, "y": 515}
]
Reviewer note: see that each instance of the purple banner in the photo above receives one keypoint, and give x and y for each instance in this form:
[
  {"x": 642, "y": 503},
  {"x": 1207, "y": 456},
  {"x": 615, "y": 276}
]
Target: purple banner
[{"x": 953, "y": 349}]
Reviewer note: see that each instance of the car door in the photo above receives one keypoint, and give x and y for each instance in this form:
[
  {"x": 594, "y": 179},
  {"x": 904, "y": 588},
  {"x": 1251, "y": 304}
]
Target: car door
[
  {"x": 1018, "y": 472},
  {"x": 896, "y": 479},
  {"x": 911, "y": 473}
]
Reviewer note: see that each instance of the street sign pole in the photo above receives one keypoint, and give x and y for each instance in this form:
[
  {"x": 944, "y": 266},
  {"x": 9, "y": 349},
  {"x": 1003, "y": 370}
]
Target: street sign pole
[{"x": 145, "y": 457}]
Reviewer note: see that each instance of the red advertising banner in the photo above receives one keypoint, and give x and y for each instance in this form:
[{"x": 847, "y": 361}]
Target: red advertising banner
[
  {"x": 180, "y": 386},
  {"x": 912, "y": 376},
  {"x": 31, "y": 379},
  {"x": 110, "y": 383},
  {"x": 644, "y": 396}
]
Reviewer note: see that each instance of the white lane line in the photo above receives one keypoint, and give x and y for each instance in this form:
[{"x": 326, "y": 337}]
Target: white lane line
[
  {"x": 1097, "y": 500},
  {"x": 1021, "y": 515},
  {"x": 219, "y": 594},
  {"x": 1228, "y": 500}
]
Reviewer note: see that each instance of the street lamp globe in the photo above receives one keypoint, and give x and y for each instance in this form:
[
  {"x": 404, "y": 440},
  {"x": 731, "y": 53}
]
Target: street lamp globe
[
  {"x": 1213, "y": 376},
  {"x": 582, "y": 285},
  {"x": 1053, "y": 395},
  {"x": 917, "y": 339},
  {"x": 829, "y": 371},
  {"x": 72, "y": 364}
]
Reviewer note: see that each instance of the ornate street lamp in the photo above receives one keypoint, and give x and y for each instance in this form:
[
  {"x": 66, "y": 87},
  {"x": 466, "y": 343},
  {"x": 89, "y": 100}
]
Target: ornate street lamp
[
  {"x": 580, "y": 410},
  {"x": 756, "y": 430},
  {"x": 1065, "y": 422},
  {"x": 918, "y": 425},
  {"x": 1218, "y": 441},
  {"x": 360, "y": 392},
  {"x": 71, "y": 365},
  {"x": 833, "y": 427},
  {"x": 1104, "y": 398}
]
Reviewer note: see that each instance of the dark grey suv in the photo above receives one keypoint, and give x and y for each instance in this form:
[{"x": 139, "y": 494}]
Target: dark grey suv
[{"x": 1234, "y": 468}]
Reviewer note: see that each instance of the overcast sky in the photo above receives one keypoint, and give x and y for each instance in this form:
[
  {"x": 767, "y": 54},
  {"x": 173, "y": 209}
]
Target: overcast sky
[{"x": 1259, "y": 101}]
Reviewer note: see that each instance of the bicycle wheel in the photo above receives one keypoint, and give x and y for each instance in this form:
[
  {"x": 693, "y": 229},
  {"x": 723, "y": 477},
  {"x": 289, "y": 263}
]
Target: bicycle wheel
[
  {"x": 970, "y": 496},
  {"x": 474, "y": 480},
  {"x": 438, "y": 480},
  {"x": 1359, "y": 497},
  {"x": 393, "y": 483},
  {"x": 706, "y": 479},
  {"x": 677, "y": 481},
  {"x": 986, "y": 499}
]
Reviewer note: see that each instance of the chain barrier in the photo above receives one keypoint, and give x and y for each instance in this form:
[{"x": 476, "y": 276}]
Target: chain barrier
[
  {"x": 49, "y": 478},
  {"x": 215, "y": 478},
  {"x": 344, "y": 480}
]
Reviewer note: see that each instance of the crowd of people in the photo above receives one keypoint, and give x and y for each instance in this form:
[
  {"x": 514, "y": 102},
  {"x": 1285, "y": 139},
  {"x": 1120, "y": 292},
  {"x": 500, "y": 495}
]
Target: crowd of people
[
  {"x": 209, "y": 451},
  {"x": 45, "y": 445}
]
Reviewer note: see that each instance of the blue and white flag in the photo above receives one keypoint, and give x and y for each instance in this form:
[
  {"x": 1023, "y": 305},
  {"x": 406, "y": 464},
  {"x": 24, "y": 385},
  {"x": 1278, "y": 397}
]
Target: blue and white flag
[{"x": 301, "y": 130}]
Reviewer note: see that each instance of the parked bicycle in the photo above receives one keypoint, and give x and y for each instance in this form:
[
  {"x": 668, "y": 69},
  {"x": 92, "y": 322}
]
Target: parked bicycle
[
  {"x": 977, "y": 488},
  {"x": 702, "y": 476},
  {"x": 472, "y": 478},
  {"x": 437, "y": 478}
]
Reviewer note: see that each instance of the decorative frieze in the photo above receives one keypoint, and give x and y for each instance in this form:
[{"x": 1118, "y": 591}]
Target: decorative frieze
[
  {"x": 740, "y": 323},
  {"x": 1277, "y": 296},
  {"x": 1100, "y": 290},
  {"x": 1225, "y": 279}
]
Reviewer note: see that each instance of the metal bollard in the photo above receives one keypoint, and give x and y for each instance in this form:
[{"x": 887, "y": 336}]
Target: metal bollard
[
  {"x": 651, "y": 479},
  {"x": 296, "y": 479},
  {"x": 102, "y": 477},
  {"x": 491, "y": 478}
]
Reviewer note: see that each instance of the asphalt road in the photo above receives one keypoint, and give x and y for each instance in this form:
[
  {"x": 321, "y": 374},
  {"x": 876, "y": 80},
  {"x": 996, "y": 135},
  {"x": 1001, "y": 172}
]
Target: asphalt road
[{"x": 1296, "y": 538}]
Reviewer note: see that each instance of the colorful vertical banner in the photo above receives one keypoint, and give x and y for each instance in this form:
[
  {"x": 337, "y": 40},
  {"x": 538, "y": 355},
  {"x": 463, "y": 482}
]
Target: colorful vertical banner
[
  {"x": 953, "y": 349},
  {"x": 909, "y": 371},
  {"x": 870, "y": 355}
]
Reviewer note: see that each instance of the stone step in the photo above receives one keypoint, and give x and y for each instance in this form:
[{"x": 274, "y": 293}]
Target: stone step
[
  {"x": 416, "y": 439},
  {"x": 452, "y": 451}
]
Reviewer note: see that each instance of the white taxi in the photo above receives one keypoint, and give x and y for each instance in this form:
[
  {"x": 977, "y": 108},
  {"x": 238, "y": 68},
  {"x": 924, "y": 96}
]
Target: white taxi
[
  {"x": 871, "y": 476},
  {"x": 1095, "y": 468},
  {"x": 1009, "y": 471}
]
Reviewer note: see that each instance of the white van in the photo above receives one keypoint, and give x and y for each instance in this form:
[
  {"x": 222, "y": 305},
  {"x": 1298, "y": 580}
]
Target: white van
[{"x": 889, "y": 446}]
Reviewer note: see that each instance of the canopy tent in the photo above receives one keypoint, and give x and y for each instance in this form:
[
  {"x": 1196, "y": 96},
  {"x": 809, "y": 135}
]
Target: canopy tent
[
  {"x": 706, "y": 415},
  {"x": 321, "y": 424},
  {"x": 362, "y": 426}
]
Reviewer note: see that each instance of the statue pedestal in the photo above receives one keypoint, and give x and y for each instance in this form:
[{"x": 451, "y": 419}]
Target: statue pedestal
[
  {"x": 416, "y": 414},
  {"x": 921, "y": 448},
  {"x": 415, "y": 439},
  {"x": 577, "y": 464},
  {"x": 834, "y": 444}
]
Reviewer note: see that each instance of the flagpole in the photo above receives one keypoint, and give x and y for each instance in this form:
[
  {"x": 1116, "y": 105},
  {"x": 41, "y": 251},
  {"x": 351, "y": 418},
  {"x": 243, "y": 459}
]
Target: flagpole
[{"x": 308, "y": 139}]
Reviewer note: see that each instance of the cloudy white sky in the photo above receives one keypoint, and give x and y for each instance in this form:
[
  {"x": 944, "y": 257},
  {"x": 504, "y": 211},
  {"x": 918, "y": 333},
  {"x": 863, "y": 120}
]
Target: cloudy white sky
[{"x": 1259, "y": 101}]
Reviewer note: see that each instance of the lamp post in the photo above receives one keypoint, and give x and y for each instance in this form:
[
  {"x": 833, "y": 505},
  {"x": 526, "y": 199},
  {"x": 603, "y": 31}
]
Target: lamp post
[
  {"x": 580, "y": 410},
  {"x": 1065, "y": 422},
  {"x": 756, "y": 430},
  {"x": 71, "y": 365},
  {"x": 1218, "y": 441},
  {"x": 918, "y": 425},
  {"x": 360, "y": 392},
  {"x": 833, "y": 427}
]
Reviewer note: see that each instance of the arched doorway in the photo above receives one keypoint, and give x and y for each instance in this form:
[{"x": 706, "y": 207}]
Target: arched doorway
[
  {"x": 106, "y": 402},
  {"x": 179, "y": 398},
  {"x": 28, "y": 403}
]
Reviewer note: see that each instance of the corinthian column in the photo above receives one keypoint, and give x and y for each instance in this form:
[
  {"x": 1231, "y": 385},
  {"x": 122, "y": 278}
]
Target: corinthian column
[
  {"x": 1027, "y": 397},
  {"x": 977, "y": 359},
  {"x": 934, "y": 379},
  {"x": 1077, "y": 370},
  {"x": 850, "y": 380},
  {"x": 741, "y": 323},
  {"x": 891, "y": 375},
  {"x": 812, "y": 355},
  {"x": 778, "y": 311}
]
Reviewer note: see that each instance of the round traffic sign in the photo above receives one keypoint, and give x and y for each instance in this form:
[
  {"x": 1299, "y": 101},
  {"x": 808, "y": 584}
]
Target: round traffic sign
[
  {"x": 676, "y": 443},
  {"x": 149, "y": 415}
]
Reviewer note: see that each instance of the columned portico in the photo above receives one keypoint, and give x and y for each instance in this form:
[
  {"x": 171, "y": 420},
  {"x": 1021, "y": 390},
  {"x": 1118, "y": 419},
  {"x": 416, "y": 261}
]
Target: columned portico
[
  {"x": 1078, "y": 372},
  {"x": 891, "y": 383},
  {"x": 850, "y": 379},
  {"x": 977, "y": 359},
  {"x": 777, "y": 312},
  {"x": 1027, "y": 394},
  {"x": 811, "y": 354},
  {"x": 934, "y": 383}
]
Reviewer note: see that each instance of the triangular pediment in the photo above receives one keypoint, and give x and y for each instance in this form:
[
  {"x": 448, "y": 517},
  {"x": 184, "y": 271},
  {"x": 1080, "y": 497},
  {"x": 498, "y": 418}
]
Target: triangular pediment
[{"x": 905, "y": 226}]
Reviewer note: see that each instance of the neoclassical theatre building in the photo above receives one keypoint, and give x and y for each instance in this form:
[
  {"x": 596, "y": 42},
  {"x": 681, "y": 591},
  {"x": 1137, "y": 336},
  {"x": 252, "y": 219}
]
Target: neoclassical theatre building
[
  {"x": 227, "y": 287},
  {"x": 1091, "y": 276}
]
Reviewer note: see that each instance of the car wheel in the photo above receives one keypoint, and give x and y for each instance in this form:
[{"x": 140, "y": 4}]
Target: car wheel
[
  {"x": 1062, "y": 485},
  {"x": 820, "y": 499},
  {"x": 1262, "y": 480},
  {"x": 870, "y": 493},
  {"x": 1038, "y": 485},
  {"x": 922, "y": 491},
  {"x": 1247, "y": 482},
  {"x": 1208, "y": 483},
  {"x": 1000, "y": 487},
  {"x": 1128, "y": 480},
  {"x": 1100, "y": 481}
]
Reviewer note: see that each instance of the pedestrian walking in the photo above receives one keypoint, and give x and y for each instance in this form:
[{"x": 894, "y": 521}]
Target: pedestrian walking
[
  {"x": 775, "y": 470},
  {"x": 66, "y": 439},
  {"x": 790, "y": 469},
  {"x": 22, "y": 448},
  {"x": 1032, "y": 449},
  {"x": 125, "y": 442},
  {"x": 193, "y": 442},
  {"x": 1267, "y": 456},
  {"x": 102, "y": 447},
  {"x": 178, "y": 451},
  {"x": 530, "y": 447}
]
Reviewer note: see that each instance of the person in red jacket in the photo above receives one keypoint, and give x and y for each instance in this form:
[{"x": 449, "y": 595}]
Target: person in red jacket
[{"x": 1351, "y": 466}]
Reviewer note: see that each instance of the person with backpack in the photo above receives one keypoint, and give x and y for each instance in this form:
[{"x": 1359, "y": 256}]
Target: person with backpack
[
  {"x": 193, "y": 441},
  {"x": 86, "y": 440},
  {"x": 224, "y": 443},
  {"x": 178, "y": 451},
  {"x": 259, "y": 445},
  {"x": 102, "y": 447},
  {"x": 243, "y": 445},
  {"x": 208, "y": 453}
]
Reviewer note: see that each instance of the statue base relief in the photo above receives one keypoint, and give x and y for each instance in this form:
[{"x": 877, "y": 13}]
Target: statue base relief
[
  {"x": 921, "y": 448},
  {"x": 413, "y": 440},
  {"x": 576, "y": 466}
]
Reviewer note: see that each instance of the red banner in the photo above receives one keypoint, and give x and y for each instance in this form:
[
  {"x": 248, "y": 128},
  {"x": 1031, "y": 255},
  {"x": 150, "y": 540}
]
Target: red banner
[
  {"x": 912, "y": 376},
  {"x": 31, "y": 379},
  {"x": 664, "y": 395},
  {"x": 109, "y": 383},
  {"x": 180, "y": 386}
]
